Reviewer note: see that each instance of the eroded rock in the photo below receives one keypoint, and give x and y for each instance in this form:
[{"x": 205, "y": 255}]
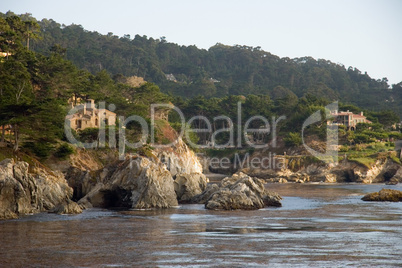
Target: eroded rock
[
  {"x": 384, "y": 195},
  {"x": 187, "y": 185},
  {"x": 239, "y": 192},
  {"x": 136, "y": 183},
  {"x": 67, "y": 207},
  {"x": 24, "y": 192}
]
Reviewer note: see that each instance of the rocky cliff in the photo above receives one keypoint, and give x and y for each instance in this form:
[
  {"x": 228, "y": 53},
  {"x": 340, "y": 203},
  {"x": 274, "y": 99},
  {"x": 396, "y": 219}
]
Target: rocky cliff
[
  {"x": 26, "y": 191},
  {"x": 158, "y": 178},
  {"x": 382, "y": 171},
  {"x": 137, "y": 182},
  {"x": 185, "y": 168}
]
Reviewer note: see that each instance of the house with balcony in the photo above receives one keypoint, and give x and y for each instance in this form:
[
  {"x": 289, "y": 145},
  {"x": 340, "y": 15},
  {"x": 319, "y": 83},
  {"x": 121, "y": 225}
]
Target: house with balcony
[
  {"x": 348, "y": 119},
  {"x": 88, "y": 116}
]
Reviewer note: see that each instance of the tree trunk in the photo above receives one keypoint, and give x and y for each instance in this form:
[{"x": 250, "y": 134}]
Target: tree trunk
[
  {"x": 28, "y": 42},
  {"x": 3, "y": 133},
  {"x": 16, "y": 145}
]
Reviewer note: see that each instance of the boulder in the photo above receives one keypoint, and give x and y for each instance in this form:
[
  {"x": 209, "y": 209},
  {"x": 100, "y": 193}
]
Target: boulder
[
  {"x": 187, "y": 186},
  {"x": 205, "y": 195},
  {"x": 137, "y": 182},
  {"x": 179, "y": 159},
  {"x": 67, "y": 207},
  {"x": 384, "y": 195},
  {"x": 186, "y": 169},
  {"x": 25, "y": 192},
  {"x": 241, "y": 192},
  {"x": 393, "y": 181}
]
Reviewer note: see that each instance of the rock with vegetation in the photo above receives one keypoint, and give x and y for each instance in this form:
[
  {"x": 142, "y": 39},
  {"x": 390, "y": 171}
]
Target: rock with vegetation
[
  {"x": 240, "y": 192},
  {"x": 138, "y": 183},
  {"x": 25, "y": 191},
  {"x": 384, "y": 195}
]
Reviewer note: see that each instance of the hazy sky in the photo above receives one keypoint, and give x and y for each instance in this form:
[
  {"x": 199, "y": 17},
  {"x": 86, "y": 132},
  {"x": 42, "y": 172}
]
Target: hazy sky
[{"x": 365, "y": 34}]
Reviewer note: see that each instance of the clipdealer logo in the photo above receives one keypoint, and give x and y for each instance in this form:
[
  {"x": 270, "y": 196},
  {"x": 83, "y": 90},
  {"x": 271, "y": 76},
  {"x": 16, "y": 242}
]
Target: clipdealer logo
[{"x": 116, "y": 136}]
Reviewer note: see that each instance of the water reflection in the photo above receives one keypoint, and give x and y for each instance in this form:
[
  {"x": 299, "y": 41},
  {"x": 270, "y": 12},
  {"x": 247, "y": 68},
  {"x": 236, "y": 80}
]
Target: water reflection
[{"x": 318, "y": 225}]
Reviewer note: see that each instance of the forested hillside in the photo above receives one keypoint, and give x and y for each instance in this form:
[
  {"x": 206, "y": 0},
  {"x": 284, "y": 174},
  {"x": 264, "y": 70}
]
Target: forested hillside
[
  {"x": 34, "y": 90},
  {"x": 218, "y": 71},
  {"x": 35, "y": 87}
]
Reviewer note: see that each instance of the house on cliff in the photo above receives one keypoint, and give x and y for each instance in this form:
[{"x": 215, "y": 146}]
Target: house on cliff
[
  {"x": 88, "y": 116},
  {"x": 348, "y": 119}
]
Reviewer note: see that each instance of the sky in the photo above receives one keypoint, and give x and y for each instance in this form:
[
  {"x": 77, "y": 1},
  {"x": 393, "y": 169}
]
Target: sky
[{"x": 365, "y": 34}]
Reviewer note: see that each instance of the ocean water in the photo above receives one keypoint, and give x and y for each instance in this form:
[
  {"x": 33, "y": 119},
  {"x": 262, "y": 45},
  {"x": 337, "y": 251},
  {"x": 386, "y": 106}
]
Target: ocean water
[{"x": 319, "y": 225}]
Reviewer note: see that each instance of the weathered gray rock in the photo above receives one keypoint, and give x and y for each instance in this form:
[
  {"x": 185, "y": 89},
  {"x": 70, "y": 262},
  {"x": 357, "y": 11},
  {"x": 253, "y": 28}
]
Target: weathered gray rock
[
  {"x": 24, "y": 192},
  {"x": 384, "y": 195},
  {"x": 393, "y": 181},
  {"x": 67, "y": 207},
  {"x": 179, "y": 159},
  {"x": 185, "y": 168},
  {"x": 205, "y": 195},
  {"x": 136, "y": 183},
  {"x": 242, "y": 192},
  {"x": 187, "y": 186}
]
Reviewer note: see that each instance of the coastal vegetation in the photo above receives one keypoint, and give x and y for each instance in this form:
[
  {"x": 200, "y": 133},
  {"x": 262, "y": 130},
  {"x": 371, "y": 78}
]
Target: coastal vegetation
[
  {"x": 43, "y": 65},
  {"x": 219, "y": 71}
]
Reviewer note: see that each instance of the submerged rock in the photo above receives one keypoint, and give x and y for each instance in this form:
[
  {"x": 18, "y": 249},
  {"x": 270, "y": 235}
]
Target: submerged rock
[
  {"x": 384, "y": 195},
  {"x": 239, "y": 192},
  {"x": 24, "y": 192},
  {"x": 393, "y": 181},
  {"x": 67, "y": 207}
]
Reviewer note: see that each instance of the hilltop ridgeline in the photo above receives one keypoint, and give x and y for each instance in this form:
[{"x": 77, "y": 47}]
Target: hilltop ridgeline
[{"x": 221, "y": 70}]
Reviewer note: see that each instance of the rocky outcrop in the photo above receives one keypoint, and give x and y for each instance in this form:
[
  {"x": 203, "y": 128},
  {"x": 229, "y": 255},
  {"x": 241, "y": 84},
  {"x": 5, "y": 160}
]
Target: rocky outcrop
[
  {"x": 67, "y": 207},
  {"x": 25, "y": 192},
  {"x": 179, "y": 159},
  {"x": 188, "y": 185},
  {"x": 383, "y": 171},
  {"x": 185, "y": 168},
  {"x": 112, "y": 185},
  {"x": 137, "y": 183},
  {"x": 384, "y": 195},
  {"x": 238, "y": 192},
  {"x": 205, "y": 195},
  {"x": 86, "y": 168}
]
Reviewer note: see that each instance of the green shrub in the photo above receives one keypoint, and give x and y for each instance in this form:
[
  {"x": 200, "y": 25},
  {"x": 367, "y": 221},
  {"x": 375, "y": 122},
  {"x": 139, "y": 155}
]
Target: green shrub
[
  {"x": 64, "y": 150},
  {"x": 293, "y": 139},
  {"x": 89, "y": 134},
  {"x": 39, "y": 148},
  {"x": 363, "y": 138}
]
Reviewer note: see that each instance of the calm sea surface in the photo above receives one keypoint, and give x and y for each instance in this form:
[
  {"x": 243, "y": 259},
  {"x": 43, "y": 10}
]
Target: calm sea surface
[{"x": 319, "y": 225}]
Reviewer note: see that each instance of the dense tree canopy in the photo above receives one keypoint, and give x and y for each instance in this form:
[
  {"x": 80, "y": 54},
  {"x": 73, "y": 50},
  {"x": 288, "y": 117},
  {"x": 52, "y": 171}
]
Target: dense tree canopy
[
  {"x": 216, "y": 72},
  {"x": 39, "y": 73}
]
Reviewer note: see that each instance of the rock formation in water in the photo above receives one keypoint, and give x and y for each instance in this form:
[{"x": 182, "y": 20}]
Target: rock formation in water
[
  {"x": 382, "y": 171},
  {"x": 238, "y": 192},
  {"x": 185, "y": 168},
  {"x": 136, "y": 182},
  {"x": 384, "y": 195},
  {"x": 24, "y": 191},
  {"x": 188, "y": 185},
  {"x": 116, "y": 185}
]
